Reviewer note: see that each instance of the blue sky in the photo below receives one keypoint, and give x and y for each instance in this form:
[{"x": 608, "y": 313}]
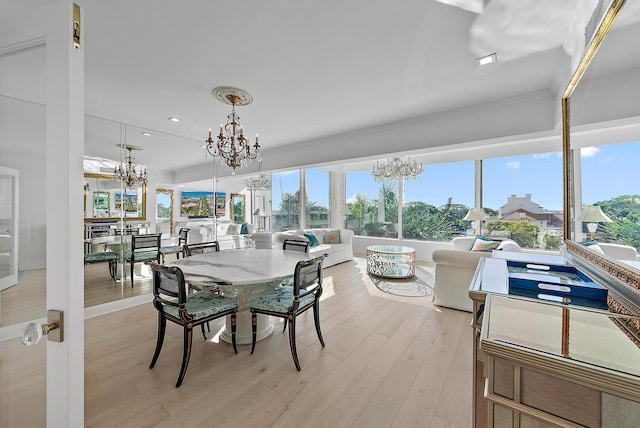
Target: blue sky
[{"x": 608, "y": 171}]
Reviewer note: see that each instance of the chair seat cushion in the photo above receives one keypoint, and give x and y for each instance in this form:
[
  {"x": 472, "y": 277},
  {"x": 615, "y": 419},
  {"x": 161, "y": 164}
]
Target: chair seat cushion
[
  {"x": 171, "y": 249},
  {"x": 279, "y": 300},
  {"x": 99, "y": 257},
  {"x": 141, "y": 256},
  {"x": 204, "y": 304}
]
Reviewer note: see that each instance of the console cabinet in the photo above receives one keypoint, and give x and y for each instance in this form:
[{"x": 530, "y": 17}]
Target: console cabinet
[{"x": 544, "y": 364}]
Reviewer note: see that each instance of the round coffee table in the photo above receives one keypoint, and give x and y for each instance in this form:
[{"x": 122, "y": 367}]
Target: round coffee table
[{"x": 391, "y": 261}]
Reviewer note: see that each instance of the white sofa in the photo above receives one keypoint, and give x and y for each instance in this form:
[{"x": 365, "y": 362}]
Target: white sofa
[
  {"x": 615, "y": 251},
  {"x": 228, "y": 234},
  {"x": 454, "y": 272},
  {"x": 336, "y": 253}
]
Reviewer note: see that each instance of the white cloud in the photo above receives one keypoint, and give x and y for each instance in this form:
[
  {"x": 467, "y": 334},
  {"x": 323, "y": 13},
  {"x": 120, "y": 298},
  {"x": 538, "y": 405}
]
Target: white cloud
[
  {"x": 542, "y": 155},
  {"x": 513, "y": 165},
  {"x": 587, "y": 152}
]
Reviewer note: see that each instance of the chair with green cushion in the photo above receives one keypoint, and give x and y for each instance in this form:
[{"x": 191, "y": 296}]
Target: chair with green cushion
[
  {"x": 172, "y": 302},
  {"x": 144, "y": 248},
  {"x": 199, "y": 283},
  {"x": 289, "y": 302},
  {"x": 177, "y": 249},
  {"x": 103, "y": 257},
  {"x": 295, "y": 245}
]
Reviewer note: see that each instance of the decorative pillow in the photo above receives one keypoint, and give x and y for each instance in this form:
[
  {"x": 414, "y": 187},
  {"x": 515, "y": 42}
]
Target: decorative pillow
[
  {"x": 313, "y": 239},
  {"x": 484, "y": 244},
  {"x": 332, "y": 237},
  {"x": 508, "y": 245},
  {"x": 234, "y": 229},
  {"x": 243, "y": 229}
]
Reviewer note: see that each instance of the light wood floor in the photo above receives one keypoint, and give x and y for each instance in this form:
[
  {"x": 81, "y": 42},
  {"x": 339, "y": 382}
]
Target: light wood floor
[{"x": 388, "y": 362}]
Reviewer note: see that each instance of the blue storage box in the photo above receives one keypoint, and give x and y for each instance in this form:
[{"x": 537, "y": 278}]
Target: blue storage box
[{"x": 555, "y": 280}]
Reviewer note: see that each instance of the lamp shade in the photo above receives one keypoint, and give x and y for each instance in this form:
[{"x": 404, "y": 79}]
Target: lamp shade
[
  {"x": 475, "y": 214},
  {"x": 593, "y": 214}
]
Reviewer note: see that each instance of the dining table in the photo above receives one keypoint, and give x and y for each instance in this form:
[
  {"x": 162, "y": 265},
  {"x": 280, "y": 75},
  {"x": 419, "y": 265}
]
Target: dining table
[{"x": 245, "y": 274}]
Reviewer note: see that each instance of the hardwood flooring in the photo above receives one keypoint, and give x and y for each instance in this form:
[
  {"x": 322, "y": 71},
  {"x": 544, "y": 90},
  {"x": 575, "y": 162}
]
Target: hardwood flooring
[{"x": 389, "y": 361}]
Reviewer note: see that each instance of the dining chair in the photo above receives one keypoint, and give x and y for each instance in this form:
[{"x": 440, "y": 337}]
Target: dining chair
[
  {"x": 188, "y": 310},
  {"x": 199, "y": 283},
  {"x": 295, "y": 245},
  {"x": 289, "y": 302},
  {"x": 202, "y": 247},
  {"x": 106, "y": 256},
  {"x": 144, "y": 248},
  {"x": 177, "y": 249}
]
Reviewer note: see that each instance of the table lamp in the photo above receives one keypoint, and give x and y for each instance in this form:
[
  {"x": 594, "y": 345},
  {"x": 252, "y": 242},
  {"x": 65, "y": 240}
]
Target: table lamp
[
  {"x": 475, "y": 214},
  {"x": 260, "y": 214},
  {"x": 593, "y": 214}
]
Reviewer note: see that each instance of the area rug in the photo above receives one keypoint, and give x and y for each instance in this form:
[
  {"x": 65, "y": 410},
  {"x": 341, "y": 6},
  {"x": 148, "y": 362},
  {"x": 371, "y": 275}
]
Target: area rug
[{"x": 410, "y": 287}]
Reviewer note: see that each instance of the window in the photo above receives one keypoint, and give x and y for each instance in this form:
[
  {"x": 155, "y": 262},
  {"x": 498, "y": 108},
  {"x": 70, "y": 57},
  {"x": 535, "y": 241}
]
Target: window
[
  {"x": 317, "y": 198},
  {"x": 164, "y": 211},
  {"x": 285, "y": 195},
  {"x": 522, "y": 195},
  {"x": 435, "y": 204},
  {"x": 373, "y": 206}
]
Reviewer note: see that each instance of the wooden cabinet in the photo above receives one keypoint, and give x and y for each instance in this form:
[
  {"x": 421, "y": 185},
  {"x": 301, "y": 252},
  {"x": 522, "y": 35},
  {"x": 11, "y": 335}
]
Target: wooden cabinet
[{"x": 542, "y": 364}]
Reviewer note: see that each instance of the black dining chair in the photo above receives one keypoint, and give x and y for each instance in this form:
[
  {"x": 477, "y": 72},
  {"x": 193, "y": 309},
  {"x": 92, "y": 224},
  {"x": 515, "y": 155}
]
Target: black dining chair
[
  {"x": 295, "y": 245},
  {"x": 103, "y": 257},
  {"x": 144, "y": 248},
  {"x": 188, "y": 310},
  {"x": 198, "y": 283},
  {"x": 289, "y": 302},
  {"x": 177, "y": 249},
  {"x": 202, "y": 247}
]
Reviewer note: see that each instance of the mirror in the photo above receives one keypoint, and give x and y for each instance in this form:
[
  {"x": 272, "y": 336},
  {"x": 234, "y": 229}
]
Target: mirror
[
  {"x": 238, "y": 208},
  {"x": 109, "y": 201},
  {"x": 601, "y": 116},
  {"x": 164, "y": 211}
]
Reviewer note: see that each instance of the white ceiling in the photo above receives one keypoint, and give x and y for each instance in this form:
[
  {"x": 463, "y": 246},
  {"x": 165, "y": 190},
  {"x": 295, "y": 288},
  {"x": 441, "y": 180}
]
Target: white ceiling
[{"x": 314, "y": 68}]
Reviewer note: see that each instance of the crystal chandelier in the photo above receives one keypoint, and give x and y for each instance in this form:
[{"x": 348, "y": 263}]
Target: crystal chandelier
[
  {"x": 230, "y": 144},
  {"x": 397, "y": 168},
  {"x": 127, "y": 172},
  {"x": 261, "y": 182}
]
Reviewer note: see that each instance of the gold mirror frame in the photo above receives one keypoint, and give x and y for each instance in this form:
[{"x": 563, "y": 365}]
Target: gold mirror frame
[
  {"x": 624, "y": 295},
  {"x": 232, "y": 207},
  {"x": 110, "y": 177}
]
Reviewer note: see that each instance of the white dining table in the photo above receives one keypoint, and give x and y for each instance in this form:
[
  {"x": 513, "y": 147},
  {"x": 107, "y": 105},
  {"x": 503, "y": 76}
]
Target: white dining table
[{"x": 250, "y": 272}]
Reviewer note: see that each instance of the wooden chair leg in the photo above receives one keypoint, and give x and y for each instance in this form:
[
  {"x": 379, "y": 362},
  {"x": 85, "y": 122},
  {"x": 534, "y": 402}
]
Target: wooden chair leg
[
  {"x": 131, "y": 264},
  {"x": 316, "y": 318},
  {"x": 162, "y": 326},
  {"x": 254, "y": 326},
  {"x": 233, "y": 332},
  {"x": 186, "y": 354},
  {"x": 284, "y": 327},
  {"x": 202, "y": 328},
  {"x": 292, "y": 342}
]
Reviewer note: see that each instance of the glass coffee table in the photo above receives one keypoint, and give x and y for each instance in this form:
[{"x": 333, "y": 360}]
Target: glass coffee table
[{"x": 391, "y": 261}]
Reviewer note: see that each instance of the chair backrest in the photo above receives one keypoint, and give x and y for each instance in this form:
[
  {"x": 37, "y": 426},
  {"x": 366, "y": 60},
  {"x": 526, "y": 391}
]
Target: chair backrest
[
  {"x": 294, "y": 245},
  {"x": 168, "y": 282},
  {"x": 308, "y": 276},
  {"x": 183, "y": 235},
  {"x": 148, "y": 242},
  {"x": 203, "y": 247}
]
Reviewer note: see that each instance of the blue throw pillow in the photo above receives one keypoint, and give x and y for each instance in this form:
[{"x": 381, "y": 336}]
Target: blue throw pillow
[
  {"x": 243, "y": 229},
  {"x": 313, "y": 239}
]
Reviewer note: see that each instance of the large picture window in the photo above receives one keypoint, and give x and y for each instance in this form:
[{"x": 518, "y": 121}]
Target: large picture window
[
  {"x": 286, "y": 200},
  {"x": 373, "y": 206},
  {"x": 316, "y": 198},
  {"x": 522, "y": 196}
]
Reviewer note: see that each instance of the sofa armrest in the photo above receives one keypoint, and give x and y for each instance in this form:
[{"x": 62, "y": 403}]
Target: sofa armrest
[
  {"x": 463, "y": 259},
  {"x": 463, "y": 243}
]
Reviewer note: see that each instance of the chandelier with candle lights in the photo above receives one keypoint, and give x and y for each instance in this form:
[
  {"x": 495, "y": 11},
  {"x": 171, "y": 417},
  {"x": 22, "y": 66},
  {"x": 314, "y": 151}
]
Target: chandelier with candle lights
[
  {"x": 230, "y": 145},
  {"x": 127, "y": 171},
  {"x": 397, "y": 168}
]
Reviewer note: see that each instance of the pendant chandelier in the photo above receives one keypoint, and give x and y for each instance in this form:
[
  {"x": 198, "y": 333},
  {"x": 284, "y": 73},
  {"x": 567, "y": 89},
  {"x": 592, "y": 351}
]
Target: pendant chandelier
[
  {"x": 127, "y": 171},
  {"x": 397, "y": 168},
  {"x": 261, "y": 182},
  {"x": 230, "y": 145}
]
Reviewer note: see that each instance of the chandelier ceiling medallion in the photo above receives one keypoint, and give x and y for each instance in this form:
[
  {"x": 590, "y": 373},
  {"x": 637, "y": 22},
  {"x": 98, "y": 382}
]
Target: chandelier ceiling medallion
[
  {"x": 127, "y": 171},
  {"x": 261, "y": 182},
  {"x": 230, "y": 145},
  {"x": 397, "y": 168}
]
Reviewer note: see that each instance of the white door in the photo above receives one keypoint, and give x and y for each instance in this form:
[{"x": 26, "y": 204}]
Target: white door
[{"x": 41, "y": 143}]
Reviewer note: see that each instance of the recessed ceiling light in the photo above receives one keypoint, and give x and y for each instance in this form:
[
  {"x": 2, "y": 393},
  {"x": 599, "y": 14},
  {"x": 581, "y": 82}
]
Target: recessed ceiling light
[
  {"x": 147, "y": 134},
  {"x": 487, "y": 59},
  {"x": 174, "y": 119}
]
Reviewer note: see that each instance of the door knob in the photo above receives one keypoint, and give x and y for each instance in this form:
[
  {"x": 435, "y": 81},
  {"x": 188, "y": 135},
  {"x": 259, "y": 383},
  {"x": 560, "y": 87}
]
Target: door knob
[{"x": 53, "y": 329}]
